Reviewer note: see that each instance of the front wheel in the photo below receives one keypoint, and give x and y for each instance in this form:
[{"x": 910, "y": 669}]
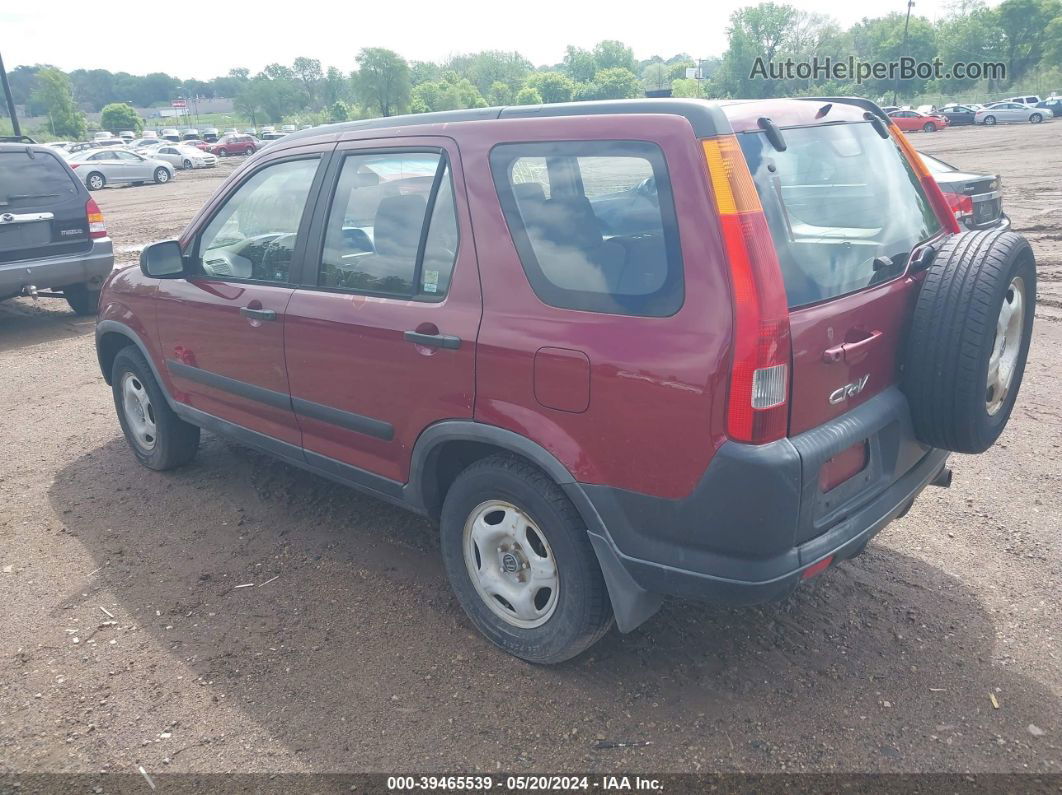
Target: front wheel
[
  {"x": 158, "y": 437},
  {"x": 929, "y": 127},
  {"x": 161, "y": 175},
  {"x": 520, "y": 562},
  {"x": 1036, "y": 118},
  {"x": 187, "y": 164},
  {"x": 223, "y": 153}
]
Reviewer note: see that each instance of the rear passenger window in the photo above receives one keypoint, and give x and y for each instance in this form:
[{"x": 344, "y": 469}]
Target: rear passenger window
[
  {"x": 392, "y": 229},
  {"x": 594, "y": 224}
]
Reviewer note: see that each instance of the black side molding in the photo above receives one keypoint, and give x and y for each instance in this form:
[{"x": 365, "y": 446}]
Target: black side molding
[{"x": 358, "y": 423}]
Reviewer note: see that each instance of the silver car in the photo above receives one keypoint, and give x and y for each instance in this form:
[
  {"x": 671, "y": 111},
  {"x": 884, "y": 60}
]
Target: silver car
[
  {"x": 98, "y": 168},
  {"x": 184, "y": 156},
  {"x": 1003, "y": 112}
]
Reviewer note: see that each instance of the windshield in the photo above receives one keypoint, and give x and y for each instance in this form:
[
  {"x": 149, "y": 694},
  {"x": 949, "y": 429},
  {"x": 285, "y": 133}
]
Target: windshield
[{"x": 844, "y": 208}]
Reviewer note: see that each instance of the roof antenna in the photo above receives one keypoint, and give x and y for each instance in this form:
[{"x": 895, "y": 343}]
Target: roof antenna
[
  {"x": 824, "y": 110},
  {"x": 774, "y": 135}
]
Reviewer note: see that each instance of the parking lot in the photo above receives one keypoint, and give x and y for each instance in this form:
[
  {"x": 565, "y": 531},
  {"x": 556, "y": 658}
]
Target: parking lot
[{"x": 127, "y": 640}]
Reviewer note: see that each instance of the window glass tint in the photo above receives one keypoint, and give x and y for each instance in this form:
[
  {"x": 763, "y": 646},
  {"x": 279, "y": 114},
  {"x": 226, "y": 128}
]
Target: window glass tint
[
  {"x": 377, "y": 221},
  {"x": 32, "y": 181},
  {"x": 253, "y": 236},
  {"x": 844, "y": 208},
  {"x": 594, "y": 224}
]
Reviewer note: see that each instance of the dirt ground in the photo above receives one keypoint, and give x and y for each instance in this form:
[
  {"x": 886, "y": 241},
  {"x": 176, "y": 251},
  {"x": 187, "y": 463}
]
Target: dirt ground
[{"x": 125, "y": 641}]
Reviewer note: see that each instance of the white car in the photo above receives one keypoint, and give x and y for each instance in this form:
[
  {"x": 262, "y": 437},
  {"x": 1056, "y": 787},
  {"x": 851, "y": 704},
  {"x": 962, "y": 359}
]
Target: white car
[
  {"x": 1003, "y": 112},
  {"x": 185, "y": 156},
  {"x": 103, "y": 135},
  {"x": 100, "y": 167}
]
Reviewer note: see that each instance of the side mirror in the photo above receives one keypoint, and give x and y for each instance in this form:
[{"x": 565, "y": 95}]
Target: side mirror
[{"x": 162, "y": 260}]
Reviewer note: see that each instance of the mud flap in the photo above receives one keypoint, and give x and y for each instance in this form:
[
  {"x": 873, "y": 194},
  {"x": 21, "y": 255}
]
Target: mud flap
[{"x": 632, "y": 605}]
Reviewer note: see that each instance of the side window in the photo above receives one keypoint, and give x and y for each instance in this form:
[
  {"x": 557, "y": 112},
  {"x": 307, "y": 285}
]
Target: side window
[
  {"x": 129, "y": 156},
  {"x": 594, "y": 224},
  {"x": 253, "y": 235},
  {"x": 392, "y": 229}
]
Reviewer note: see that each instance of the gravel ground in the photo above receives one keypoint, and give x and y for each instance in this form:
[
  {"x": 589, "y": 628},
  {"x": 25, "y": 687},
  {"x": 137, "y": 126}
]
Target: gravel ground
[{"x": 127, "y": 642}]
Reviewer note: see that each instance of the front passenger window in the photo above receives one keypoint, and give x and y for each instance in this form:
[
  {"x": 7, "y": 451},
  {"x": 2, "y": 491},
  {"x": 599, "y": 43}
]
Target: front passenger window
[{"x": 254, "y": 233}]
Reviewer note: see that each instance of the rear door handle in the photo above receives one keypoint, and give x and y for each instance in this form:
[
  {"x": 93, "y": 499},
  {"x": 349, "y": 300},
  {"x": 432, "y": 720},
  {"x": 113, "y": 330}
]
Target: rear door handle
[
  {"x": 258, "y": 314},
  {"x": 850, "y": 352},
  {"x": 433, "y": 340}
]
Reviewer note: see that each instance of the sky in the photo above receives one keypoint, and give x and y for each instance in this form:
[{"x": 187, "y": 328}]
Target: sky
[{"x": 203, "y": 40}]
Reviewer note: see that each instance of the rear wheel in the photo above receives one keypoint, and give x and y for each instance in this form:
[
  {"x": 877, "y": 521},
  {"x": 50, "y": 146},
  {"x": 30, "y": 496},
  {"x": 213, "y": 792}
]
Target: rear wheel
[
  {"x": 929, "y": 127},
  {"x": 520, "y": 562},
  {"x": 161, "y": 175},
  {"x": 990, "y": 120},
  {"x": 84, "y": 300},
  {"x": 970, "y": 339},
  {"x": 95, "y": 181},
  {"x": 158, "y": 437}
]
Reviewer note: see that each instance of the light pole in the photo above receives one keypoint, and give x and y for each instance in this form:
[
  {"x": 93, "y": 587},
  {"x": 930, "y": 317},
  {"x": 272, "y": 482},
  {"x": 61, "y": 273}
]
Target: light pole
[
  {"x": 10, "y": 101},
  {"x": 903, "y": 49}
]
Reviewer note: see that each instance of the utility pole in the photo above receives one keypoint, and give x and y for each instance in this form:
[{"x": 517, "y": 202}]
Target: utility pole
[
  {"x": 903, "y": 49},
  {"x": 10, "y": 100}
]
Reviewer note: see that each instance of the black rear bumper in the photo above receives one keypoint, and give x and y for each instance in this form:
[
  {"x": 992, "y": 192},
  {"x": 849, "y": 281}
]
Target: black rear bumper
[{"x": 757, "y": 518}]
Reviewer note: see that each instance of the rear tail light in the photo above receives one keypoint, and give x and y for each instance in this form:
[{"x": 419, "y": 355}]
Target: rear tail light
[
  {"x": 757, "y": 406},
  {"x": 817, "y": 568},
  {"x": 97, "y": 228},
  {"x": 929, "y": 185},
  {"x": 75, "y": 165},
  {"x": 961, "y": 206}
]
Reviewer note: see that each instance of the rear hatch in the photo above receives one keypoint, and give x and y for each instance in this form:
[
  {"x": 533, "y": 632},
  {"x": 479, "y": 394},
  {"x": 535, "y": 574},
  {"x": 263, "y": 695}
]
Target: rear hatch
[
  {"x": 42, "y": 206},
  {"x": 845, "y": 211}
]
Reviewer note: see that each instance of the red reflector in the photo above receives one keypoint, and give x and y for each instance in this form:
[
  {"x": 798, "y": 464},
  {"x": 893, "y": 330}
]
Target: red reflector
[
  {"x": 817, "y": 568},
  {"x": 843, "y": 466}
]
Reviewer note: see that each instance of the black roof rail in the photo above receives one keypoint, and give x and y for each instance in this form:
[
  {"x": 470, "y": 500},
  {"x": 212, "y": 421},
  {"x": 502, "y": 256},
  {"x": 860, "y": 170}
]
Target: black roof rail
[
  {"x": 16, "y": 139},
  {"x": 706, "y": 118}
]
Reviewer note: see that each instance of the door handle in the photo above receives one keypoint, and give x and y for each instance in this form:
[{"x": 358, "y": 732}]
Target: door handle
[
  {"x": 433, "y": 340},
  {"x": 850, "y": 352},
  {"x": 258, "y": 314}
]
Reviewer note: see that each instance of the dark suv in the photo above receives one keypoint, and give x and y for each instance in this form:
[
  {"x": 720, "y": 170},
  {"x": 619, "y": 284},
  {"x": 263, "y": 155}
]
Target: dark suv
[
  {"x": 616, "y": 350},
  {"x": 52, "y": 233}
]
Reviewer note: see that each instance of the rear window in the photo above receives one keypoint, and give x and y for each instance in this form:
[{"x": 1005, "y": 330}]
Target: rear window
[
  {"x": 844, "y": 208},
  {"x": 32, "y": 179},
  {"x": 594, "y": 224}
]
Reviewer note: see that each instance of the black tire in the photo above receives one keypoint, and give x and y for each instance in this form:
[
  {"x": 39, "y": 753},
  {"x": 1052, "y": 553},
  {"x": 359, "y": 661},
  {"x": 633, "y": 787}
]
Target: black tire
[
  {"x": 990, "y": 120},
  {"x": 223, "y": 153},
  {"x": 188, "y": 164},
  {"x": 583, "y": 612},
  {"x": 95, "y": 181},
  {"x": 84, "y": 300},
  {"x": 1036, "y": 118},
  {"x": 953, "y": 337},
  {"x": 161, "y": 175},
  {"x": 175, "y": 441},
  {"x": 250, "y": 151},
  {"x": 929, "y": 127}
]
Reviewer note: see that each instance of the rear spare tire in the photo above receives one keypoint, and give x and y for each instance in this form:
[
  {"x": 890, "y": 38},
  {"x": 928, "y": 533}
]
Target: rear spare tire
[{"x": 969, "y": 340}]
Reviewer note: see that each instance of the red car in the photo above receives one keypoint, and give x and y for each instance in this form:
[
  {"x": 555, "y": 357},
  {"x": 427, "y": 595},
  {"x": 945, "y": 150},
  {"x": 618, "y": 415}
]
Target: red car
[
  {"x": 197, "y": 143},
  {"x": 912, "y": 121},
  {"x": 615, "y": 350},
  {"x": 234, "y": 145}
]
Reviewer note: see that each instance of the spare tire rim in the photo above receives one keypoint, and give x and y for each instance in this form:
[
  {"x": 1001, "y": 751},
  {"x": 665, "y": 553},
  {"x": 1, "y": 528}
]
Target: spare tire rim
[
  {"x": 511, "y": 564},
  {"x": 139, "y": 415},
  {"x": 1004, "y": 359}
]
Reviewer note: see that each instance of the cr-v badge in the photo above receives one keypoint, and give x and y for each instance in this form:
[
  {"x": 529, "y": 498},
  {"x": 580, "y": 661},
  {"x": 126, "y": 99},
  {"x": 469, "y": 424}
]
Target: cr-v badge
[{"x": 848, "y": 390}]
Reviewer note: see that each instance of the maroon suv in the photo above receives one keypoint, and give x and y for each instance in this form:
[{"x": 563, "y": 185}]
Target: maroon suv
[
  {"x": 616, "y": 350},
  {"x": 234, "y": 145}
]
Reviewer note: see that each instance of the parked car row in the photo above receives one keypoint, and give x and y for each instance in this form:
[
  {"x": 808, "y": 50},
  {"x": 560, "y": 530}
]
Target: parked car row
[{"x": 927, "y": 118}]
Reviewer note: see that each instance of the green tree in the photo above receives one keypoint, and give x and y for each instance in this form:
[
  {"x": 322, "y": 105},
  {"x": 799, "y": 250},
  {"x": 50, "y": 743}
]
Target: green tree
[
  {"x": 382, "y": 82},
  {"x": 579, "y": 64},
  {"x": 500, "y": 94},
  {"x": 119, "y": 116},
  {"x": 552, "y": 86},
  {"x": 308, "y": 73},
  {"x": 656, "y": 77},
  {"x": 335, "y": 87},
  {"x": 617, "y": 83},
  {"x": 1053, "y": 42},
  {"x": 338, "y": 112},
  {"x": 453, "y": 93},
  {"x": 688, "y": 88},
  {"x": 528, "y": 96},
  {"x": 53, "y": 92},
  {"x": 483, "y": 69},
  {"x": 612, "y": 54},
  {"x": 882, "y": 39},
  {"x": 1024, "y": 26}
]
